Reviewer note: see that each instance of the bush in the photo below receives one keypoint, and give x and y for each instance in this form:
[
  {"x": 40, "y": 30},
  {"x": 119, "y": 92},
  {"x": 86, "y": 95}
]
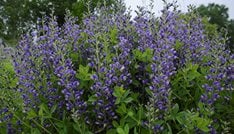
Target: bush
[
  {"x": 113, "y": 74},
  {"x": 9, "y": 98}
]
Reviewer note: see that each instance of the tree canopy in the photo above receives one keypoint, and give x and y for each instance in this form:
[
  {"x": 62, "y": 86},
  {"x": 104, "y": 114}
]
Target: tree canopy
[
  {"x": 218, "y": 15},
  {"x": 18, "y": 15}
]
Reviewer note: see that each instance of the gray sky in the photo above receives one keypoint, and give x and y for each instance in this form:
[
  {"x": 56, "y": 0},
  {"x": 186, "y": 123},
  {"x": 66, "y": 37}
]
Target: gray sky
[{"x": 182, "y": 3}]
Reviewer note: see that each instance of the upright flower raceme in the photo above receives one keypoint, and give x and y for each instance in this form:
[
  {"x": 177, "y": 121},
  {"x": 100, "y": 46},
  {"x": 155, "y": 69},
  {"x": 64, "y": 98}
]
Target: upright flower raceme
[
  {"x": 46, "y": 73},
  {"x": 162, "y": 67},
  {"x": 111, "y": 62}
]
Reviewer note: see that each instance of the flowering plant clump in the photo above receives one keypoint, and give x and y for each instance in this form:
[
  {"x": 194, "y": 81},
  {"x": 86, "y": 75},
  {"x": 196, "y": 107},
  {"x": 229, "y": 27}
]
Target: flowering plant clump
[{"x": 115, "y": 74}]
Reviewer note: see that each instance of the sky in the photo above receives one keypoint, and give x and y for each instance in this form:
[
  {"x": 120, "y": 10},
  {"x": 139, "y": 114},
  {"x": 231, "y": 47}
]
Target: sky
[{"x": 158, "y": 4}]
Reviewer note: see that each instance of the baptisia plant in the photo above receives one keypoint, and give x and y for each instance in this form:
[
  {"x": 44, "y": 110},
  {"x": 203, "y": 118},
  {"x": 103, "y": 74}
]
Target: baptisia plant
[{"x": 117, "y": 74}]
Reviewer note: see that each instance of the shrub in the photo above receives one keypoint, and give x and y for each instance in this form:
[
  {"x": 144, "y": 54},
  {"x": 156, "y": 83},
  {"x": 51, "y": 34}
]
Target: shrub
[
  {"x": 9, "y": 98},
  {"x": 114, "y": 74}
]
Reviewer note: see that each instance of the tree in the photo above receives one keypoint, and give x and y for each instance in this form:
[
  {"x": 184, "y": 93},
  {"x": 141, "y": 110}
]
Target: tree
[
  {"x": 82, "y": 6},
  {"x": 17, "y": 16},
  {"x": 218, "y": 15},
  {"x": 231, "y": 34}
]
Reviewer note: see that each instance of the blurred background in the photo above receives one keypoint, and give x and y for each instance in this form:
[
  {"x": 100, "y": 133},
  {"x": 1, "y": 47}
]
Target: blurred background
[
  {"x": 18, "y": 16},
  {"x": 183, "y": 4}
]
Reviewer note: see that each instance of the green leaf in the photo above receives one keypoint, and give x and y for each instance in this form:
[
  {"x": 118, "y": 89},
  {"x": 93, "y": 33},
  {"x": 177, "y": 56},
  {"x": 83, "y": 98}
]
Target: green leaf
[
  {"x": 111, "y": 131},
  {"x": 122, "y": 109},
  {"x": 178, "y": 45},
  {"x": 126, "y": 129},
  {"x": 59, "y": 124},
  {"x": 35, "y": 131},
  {"x": 175, "y": 109},
  {"x": 121, "y": 95},
  {"x": 169, "y": 127},
  {"x": 83, "y": 73},
  {"x": 202, "y": 123},
  {"x": 43, "y": 108},
  {"x": 122, "y": 122},
  {"x": 115, "y": 124},
  {"x": 137, "y": 54},
  {"x": 140, "y": 114},
  {"x": 88, "y": 132},
  {"x": 8, "y": 66},
  {"x": 130, "y": 113},
  {"x": 114, "y": 35},
  {"x": 31, "y": 114},
  {"x": 191, "y": 72},
  {"x": 76, "y": 127},
  {"x": 201, "y": 106},
  {"x": 74, "y": 56},
  {"x": 125, "y": 94},
  {"x": 180, "y": 117},
  {"x": 147, "y": 55},
  {"x": 131, "y": 122},
  {"x": 117, "y": 101},
  {"x": 118, "y": 91},
  {"x": 128, "y": 100},
  {"x": 143, "y": 56},
  {"x": 193, "y": 75},
  {"x": 92, "y": 98},
  {"x": 135, "y": 130},
  {"x": 53, "y": 109},
  {"x": 120, "y": 130},
  {"x": 135, "y": 96},
  {"x": 149, "y": 92}
]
